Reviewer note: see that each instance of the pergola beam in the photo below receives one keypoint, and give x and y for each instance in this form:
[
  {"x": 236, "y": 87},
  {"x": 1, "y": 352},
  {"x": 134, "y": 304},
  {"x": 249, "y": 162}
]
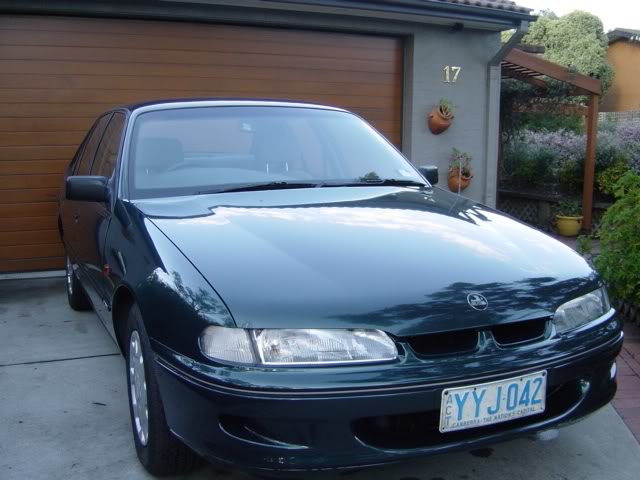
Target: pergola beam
[{"x": 553, "y": 70}]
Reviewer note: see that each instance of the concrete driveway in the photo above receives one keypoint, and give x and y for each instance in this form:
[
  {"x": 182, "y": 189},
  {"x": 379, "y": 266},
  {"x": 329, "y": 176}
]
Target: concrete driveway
[{"x": 63, "y": 412}]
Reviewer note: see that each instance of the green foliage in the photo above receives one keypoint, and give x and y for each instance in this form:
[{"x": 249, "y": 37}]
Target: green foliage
[
  {"x": 570, "y": 176},
  {"x": 526, "y": 169},
  {"x": 584, "y": 245},
  {"x": 576, "y": 40},
  {"x": 569, "y": 208},
  {"x": 619, "y": 259},
  {"x": 460, "y": 160},
  {"x": 610, "y": 176},
  {"x": 543, "y": 121},
  {"x": 446, "y": 107}
]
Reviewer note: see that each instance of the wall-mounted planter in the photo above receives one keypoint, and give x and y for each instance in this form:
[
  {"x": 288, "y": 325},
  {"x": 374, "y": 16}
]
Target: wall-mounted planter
[
  {"x": 457, "y": 182},
  {"x": 439, "y": 120}
]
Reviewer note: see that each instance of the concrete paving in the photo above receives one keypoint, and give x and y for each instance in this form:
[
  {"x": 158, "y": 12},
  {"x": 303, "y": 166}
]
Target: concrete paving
[{"x": 64, "y": 415}]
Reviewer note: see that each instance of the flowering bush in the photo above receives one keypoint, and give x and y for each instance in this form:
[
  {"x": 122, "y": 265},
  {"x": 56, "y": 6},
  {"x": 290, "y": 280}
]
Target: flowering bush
[{"x": 535, "y": 157}]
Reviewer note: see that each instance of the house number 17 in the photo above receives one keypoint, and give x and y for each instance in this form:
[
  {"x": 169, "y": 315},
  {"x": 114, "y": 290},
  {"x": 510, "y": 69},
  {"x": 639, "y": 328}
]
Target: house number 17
[{"x": 451, "y": 74}]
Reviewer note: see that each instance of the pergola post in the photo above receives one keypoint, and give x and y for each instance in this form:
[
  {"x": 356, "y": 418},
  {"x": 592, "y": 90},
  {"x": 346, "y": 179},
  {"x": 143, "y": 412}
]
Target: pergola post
[{"x": 590, "y": 162}]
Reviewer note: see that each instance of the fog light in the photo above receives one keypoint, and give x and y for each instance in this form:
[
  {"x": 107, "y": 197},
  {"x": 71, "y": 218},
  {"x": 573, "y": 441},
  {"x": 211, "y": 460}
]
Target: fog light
[{"x": 614, "y": 370}]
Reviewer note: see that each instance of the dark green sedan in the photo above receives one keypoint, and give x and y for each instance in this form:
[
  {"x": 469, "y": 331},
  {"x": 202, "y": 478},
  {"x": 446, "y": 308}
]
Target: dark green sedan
[{"x": 291, "y": 293}]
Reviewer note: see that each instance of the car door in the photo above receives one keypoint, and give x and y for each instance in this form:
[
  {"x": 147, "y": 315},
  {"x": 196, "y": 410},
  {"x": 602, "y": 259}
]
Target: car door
[
  {"x": 70, "y": 209},
  {"x": 95, "y": 217}
]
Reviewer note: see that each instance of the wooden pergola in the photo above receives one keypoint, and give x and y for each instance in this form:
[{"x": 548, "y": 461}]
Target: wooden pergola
[{"x": 535, "y": 70}]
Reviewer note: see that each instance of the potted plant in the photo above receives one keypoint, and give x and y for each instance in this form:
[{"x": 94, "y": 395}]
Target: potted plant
[
  {"x": 460, "y": 173},
  {"x": 440, "y": 117},
  {"x": 569, "y": 218}
]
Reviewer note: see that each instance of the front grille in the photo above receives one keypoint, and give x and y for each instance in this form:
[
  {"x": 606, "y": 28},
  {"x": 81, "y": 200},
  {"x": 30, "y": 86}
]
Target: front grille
[
  {"x": 446, "y": 343},
  {"x": 520, "y": 332},
  {"x": 421, "y": 429}
]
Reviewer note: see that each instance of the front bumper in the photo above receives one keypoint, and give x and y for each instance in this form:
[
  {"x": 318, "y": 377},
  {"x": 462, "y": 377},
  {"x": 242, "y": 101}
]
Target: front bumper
[{"x": 302, "y": 429}]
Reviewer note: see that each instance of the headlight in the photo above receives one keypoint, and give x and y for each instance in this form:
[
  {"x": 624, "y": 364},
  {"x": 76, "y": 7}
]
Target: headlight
[
  {"x": 297, "y": 346},
  {"x": 581, "y": 310}
]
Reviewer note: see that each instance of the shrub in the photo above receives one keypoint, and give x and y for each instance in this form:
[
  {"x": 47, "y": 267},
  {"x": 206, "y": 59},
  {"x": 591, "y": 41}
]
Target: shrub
[
  {"x": 610, "y": 176},
  {"x": 568, "y": 208},
  {"x": 619, "y": 259}
]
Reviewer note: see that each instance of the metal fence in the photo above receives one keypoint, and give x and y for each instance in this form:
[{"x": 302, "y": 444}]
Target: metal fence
[{"x": 632, "y": 116}]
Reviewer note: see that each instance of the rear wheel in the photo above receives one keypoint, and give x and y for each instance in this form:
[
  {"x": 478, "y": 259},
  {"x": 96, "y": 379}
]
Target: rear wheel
[
  {"x": 76, "y": 294},
  {"x": 159, "y": 451}
]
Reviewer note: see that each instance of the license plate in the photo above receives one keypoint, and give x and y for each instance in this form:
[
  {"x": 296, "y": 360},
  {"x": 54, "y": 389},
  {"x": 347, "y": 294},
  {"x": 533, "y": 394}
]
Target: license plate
[{"x": 495, "y": 402}]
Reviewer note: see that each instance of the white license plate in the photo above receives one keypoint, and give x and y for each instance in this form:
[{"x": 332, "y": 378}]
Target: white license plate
[{"x": 495, "y": 402}]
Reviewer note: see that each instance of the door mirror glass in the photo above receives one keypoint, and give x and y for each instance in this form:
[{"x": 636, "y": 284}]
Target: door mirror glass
[
  {"x": 430, "y": 172},
  {"x": 87, "y": 188}
]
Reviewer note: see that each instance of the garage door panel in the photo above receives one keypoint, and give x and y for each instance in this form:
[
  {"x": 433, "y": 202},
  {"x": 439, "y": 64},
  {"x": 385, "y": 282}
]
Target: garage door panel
[
  {"x": 175, "y": 85},
  {"x": 24, "y": 210},
  {"x": 35, "y": 138},
  {"x": 119, "y": 97},
  {"x": 43, "y": 237},
  {"x": 31, "y": 167},
  {"x": 190, "y": 30},
  {"x": 8, "y": 182},
  {"x": 58, "y": 74},
  {"x": 197, "y": 71},
  {"x": 37, "y": 153},
  {"x": 156, "y": 42},
  {"x": 22, "y": 224},
  {"x": 32, "y": 264},
  {"x": 29, "y": 195},
  {"x": 139, "y": 56},
  {"x": 31, "y": 251},
  {"x": 45, "y": 124}
]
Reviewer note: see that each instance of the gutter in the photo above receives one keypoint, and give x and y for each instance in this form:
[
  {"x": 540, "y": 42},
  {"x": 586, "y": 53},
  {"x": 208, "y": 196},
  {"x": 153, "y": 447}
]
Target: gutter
[
  {"x": 438, "y": 9},
  {"x": 520, "y": 32}
]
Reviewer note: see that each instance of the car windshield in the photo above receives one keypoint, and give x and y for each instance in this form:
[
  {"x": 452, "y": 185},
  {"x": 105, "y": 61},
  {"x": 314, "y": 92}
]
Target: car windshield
[{"x": 193, "y": 150}]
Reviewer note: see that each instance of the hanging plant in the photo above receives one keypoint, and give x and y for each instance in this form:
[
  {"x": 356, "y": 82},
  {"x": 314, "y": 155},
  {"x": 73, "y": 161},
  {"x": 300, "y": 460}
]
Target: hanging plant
[
  {"x": 440, "y": 117},
  {"x": 460, "y": 172}
]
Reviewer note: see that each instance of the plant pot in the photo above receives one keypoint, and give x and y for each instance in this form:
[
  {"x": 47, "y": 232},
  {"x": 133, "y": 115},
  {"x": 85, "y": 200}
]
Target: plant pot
[
  {"x": 455, "y": 181},
  {"x": 438, "y": 123},
  {"x": 568, "y": 226}
]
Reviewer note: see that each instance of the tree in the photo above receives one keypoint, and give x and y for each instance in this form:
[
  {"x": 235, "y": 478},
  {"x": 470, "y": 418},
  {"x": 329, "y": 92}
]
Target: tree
[{"x": 576, "y": 40}]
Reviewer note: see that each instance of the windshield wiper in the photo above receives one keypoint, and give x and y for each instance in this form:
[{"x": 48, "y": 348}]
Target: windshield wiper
[
  {"x": 253, "y": 187},
  {"x": 395, "y": 182}
]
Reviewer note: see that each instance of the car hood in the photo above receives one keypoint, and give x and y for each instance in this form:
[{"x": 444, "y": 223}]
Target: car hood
[{"x": 402, "y": 260}]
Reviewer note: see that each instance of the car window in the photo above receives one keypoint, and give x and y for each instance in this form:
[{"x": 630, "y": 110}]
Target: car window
[
  {"x": 187, "y": 150},
  {"x": 107, "y": 153},
  {"x": 91, "y": 145}
]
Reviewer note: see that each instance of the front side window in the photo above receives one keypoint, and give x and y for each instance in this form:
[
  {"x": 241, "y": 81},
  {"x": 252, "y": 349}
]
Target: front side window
[
  {"x": 192, "y": 150},
  {"x": 91, "y": 145},
  {"x": 107, "y": 153}
]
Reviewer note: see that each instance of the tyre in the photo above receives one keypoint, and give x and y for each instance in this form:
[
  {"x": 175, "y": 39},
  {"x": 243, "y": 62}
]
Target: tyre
[
  {"x": 76, "y": 294},
  {"x": 159, "y": 451}
]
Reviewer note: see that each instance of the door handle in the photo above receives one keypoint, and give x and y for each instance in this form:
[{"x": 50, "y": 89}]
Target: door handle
[{"x": 76, "y": 217}]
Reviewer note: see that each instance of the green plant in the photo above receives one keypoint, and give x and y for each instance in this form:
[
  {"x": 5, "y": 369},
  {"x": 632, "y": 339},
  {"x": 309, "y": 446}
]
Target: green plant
[
  {"x": 568, "y": 208},
  {"x": 610, "y": 176},
  {"x": 446, "y": 108},
  {"x": 619, "y": 258},
  {"x": 460, "y": 160},
  {"x": 570, "y": 176}
]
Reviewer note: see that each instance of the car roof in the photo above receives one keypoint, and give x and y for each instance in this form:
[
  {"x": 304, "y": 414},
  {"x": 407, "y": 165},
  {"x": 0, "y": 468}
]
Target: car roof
[{"x": 221, "y": 102}]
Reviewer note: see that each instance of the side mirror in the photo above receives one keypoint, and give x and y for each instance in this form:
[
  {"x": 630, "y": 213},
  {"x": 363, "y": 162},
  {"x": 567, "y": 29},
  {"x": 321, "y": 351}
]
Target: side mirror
[
  {"x": 87, "y": 188},
  {"x": 430, "y": 172}
]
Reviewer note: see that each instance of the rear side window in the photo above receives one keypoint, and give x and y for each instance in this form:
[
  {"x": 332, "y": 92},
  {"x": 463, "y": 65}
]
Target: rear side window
[
  {"x": 107, "y": 153},
  {"x": 91, "y": 145}
]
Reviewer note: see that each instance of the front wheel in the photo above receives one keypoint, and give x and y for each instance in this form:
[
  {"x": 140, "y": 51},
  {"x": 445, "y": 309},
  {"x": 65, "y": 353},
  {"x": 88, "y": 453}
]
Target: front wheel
[
  {"x": 76, "y": 295},
  {"x": 159, "y": 451}
]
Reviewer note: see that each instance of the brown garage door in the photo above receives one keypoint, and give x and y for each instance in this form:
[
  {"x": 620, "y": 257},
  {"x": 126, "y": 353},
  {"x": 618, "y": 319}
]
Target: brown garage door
[{"x": 58, "y": 74}]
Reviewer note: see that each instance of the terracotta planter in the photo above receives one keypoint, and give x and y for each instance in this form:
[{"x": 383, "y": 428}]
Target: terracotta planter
[
  {"x": 438, "y": 123},
  {"x": 455, "y": 181},
  {"x": 568, "y": 226}
]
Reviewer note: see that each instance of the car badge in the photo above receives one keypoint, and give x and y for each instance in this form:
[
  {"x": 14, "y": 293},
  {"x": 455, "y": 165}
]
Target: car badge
[{"x": 477, "y": 301}]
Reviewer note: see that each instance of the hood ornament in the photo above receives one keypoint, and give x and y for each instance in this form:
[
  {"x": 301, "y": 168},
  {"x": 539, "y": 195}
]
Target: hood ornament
[{"x": 477, "y": 301}]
